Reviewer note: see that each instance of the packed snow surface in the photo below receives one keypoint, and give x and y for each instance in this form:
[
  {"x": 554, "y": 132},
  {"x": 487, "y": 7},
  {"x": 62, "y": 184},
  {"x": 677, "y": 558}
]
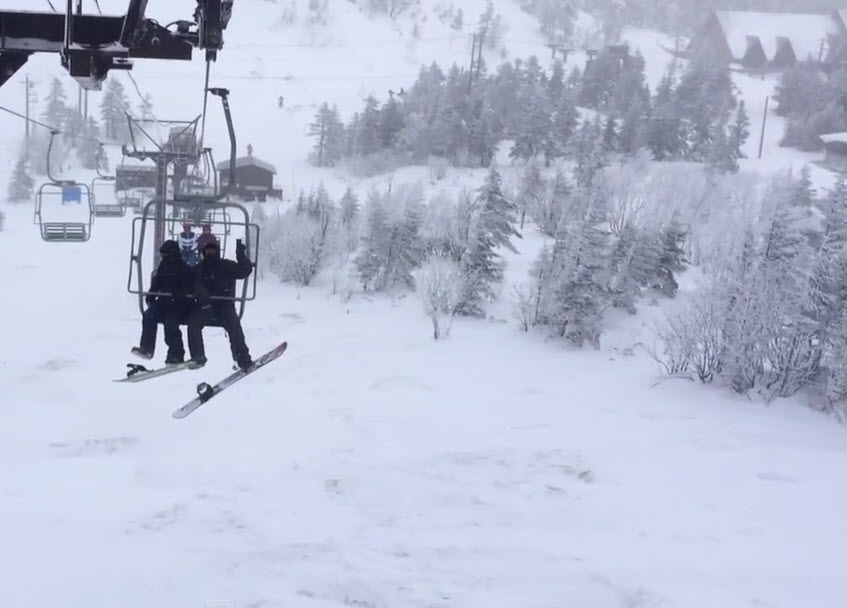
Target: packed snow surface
[{"x": 371, "y": 466}]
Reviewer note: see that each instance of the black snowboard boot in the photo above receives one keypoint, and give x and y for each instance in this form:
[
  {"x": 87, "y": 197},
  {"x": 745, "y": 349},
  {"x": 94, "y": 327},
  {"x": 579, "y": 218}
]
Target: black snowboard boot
[{"x": 139, "y": 352}]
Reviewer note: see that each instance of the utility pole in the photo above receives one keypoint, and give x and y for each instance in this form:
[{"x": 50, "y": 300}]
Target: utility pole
[
  {"x": 764, "y": 122},
  {"x": 479, "y": 54},
  {"x": 473, "y": 60},
  {"x": 29, "y": 86}
]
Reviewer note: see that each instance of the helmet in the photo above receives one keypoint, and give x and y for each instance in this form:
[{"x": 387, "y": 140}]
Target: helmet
[
  {"x": 169, "y": 248},
  {"x": 212, "y": 245}
]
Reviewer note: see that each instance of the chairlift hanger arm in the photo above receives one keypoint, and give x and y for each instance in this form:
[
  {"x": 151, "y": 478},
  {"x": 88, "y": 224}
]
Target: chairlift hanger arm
[{"x": 91, "y": 45}]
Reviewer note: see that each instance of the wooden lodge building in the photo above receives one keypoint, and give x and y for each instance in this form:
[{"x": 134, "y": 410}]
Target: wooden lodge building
[{"x": 254, "y": 178}]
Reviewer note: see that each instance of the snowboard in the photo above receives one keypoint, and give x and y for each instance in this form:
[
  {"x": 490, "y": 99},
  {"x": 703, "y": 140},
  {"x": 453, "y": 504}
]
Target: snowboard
[
  {"x": 139, "y": 373},
  {"x": 206, "y": 392}
]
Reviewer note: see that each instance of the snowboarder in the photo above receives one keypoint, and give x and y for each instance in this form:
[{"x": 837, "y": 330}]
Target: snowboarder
[
  {"x": 280, "y": 102},
  {"x": 174, "y": 277},
  {"x": 188, "y": 244},
  {"x": 205, "y": 238},
  {"x": 215, "y": 277}
]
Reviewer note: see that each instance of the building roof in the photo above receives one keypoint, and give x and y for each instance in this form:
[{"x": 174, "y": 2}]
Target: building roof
[
  {"x": 805, "y": 32},
  {"x": 834, "y": 137},
  {"x": 245, "y": 161}
]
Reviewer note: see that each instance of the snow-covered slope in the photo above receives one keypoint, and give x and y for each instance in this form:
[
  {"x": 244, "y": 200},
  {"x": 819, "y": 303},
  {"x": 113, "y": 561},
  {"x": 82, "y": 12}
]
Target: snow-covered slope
[{"x": 371, "y": 466}]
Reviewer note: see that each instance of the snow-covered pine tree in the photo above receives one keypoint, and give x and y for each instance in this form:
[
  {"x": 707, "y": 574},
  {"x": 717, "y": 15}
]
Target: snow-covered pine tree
[
  {"x": 368, "y": 138},
  {"x": 531, "y": 192},
  {"x": 391, "y": 122},
  {"x": 803, "y": 195},
  {"x": 113, "y": 109},
  {"x": 591, "y": 156},
  {"x": 579, "y": 295},
  {"x": 671, "y": 258},
  {"x": 493, "y": 227},
  {"x": 370, "y": 263},
  {"x": 56, "y": 109},
  {"x": 553, "y": 205},
  {"x": 21, "y": 185},
  {"x": 610, "y": 136},
  {"x": 739, "y": 131},
  {"x": 534, "y": 132},
  {"x": 328, "y": 131},
  {"x": 556, "y": 83},
  {"x": 89, "y": 152},
  {"x": 623, "y": 289},
  {"x": 349, "y": 204},
  {"x": 565, "y": 122}
]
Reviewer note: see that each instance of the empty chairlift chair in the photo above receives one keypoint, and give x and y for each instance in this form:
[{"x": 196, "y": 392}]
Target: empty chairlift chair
[
  {"x": 64, "y": 200},
  {"x": 104, "y": 196}
]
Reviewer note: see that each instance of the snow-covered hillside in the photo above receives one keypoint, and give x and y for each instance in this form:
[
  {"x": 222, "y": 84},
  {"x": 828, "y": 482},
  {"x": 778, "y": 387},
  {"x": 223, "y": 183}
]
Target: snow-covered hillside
[{"x": 372, "y": 466}]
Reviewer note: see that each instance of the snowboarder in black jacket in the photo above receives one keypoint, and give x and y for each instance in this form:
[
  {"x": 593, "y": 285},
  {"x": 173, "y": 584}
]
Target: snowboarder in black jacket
[
  {"x": 215, "y": 278},
  {"x": 175, "y": 278}
]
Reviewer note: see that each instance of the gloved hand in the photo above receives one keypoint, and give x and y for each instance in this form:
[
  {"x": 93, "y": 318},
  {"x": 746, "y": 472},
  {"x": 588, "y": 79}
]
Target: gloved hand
[
  {"x": 149, "y": 300},
  {"x": 240, "y": 249}
]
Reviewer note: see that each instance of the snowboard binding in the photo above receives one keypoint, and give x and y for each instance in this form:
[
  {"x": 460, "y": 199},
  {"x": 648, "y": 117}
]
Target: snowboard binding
[
  {"x": 135, "y": 368},
  {"x": 205, "y": 392}
]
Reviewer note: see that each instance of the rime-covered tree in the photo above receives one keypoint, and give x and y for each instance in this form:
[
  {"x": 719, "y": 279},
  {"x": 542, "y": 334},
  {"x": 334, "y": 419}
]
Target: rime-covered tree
[
  {"x": 113, "y": 107},
  {"x": 579, "y": 286},
  {"x": 328, "y": 131},
  {"x": 349, "y": 204},
  {"x": 533, "y": 135},
  {"x": 590, "y": 152},
  {"x": 565, "y": 122},
  {"x": 531, "y": 192},
  {"x": 493, "y": 227},
  {"x": 56, "y": 109},
  {"x": 21, "y": 185},
  {"x": 89, "y": 151}
]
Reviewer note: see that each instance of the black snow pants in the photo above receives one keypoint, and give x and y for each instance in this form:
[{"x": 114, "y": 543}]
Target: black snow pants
[
  {"x": 224, "y": 315},
  {"x": 169, "y": 315}
]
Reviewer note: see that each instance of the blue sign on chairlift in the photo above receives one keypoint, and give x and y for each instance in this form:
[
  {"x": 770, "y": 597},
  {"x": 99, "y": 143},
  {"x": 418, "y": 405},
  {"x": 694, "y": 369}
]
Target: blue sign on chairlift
[{"x": 72, "y": 195}]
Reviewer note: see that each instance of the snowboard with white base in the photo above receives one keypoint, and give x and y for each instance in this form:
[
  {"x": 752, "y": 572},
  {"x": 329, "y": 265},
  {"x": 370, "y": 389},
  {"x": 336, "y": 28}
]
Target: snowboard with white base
[
  {"x": 139, "y": 373},
  {"x": 206, "y": 392}
]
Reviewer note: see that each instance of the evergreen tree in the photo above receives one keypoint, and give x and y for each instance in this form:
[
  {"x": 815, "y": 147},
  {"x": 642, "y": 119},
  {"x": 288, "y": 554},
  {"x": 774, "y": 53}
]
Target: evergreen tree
[
  {"x": 370, "y": 262},
  {"x": 21, "y": 185},
  {"x": 56, "y": 110},
  {"x": 89, "y": 150},
  {"x": 533, "y": 135},
  {"x": 580, "y": 286},
  {"x": 494, "y": 225},
  {"x": 590, "y": 154},
  {"x": 349, "y": 204},
  {"x": 391, "y": 122},
  {"x": 531, "y": 191},
  {"x": 564, "y": 125},
  {"x": 328, "y": 131},
  {"x": 739, "y": 132},
  {"x": 671, "y": 258},
  {"x": 610, "y": 136},
  {"x": 368, "y": 133},
  {"x": 556, "y": 83},
  {"x": 113, "y": 111},
  {"x": 623, "y": 289}
]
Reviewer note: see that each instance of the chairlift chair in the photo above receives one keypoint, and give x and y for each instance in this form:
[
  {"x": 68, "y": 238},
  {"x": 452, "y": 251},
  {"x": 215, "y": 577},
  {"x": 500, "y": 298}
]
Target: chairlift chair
[
  {"x": 59, "y": 195},
  {"x": 103, "y": 189},
  {"x": 236, "y": 216}
]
